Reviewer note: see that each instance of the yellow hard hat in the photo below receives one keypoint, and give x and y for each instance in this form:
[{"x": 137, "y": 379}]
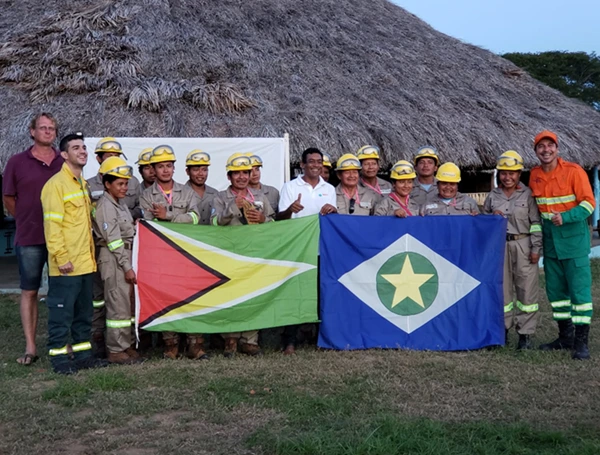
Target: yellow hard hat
[
  {"x": 403, "y": 170},
  {"x": 448, "y": 172},
  {"x": 255, "y": 160},
  {"x": 326, "y": 160},
  {"x": 238, "y": 162},
  {"x": 510, "y": 161},
  {"x": 197, "y": 158},
  {"x": 348, "y": 162},
  {"x": 162, "y": 153},
  {"x": 144, "y": 157},
  {"x": 427, "y": 152},
  {"x": 368, "y": 152},
  {"x": 117, "y": 166},
  {"x": 108, "y": 144}
]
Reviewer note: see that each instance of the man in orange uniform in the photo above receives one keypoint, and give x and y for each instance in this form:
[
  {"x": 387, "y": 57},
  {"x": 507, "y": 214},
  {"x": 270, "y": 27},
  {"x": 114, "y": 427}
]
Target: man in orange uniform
[{"x": 564, "y": 196}]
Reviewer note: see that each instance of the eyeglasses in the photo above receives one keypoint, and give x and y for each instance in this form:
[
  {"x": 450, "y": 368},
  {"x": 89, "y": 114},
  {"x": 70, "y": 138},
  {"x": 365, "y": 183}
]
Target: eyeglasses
[
  {"x": 351, "y": 206},
  {"x": 163, "y": 150},
  {"x": 200, "y": 157},
  {"x": 240, "y": 161},
  {"x": 403, "y": 169},
  {"x": 350, "y": 163},
  {"x": 125, "y": 171},
  {"x": 509, "y": 161},
  {"x": 46, "y": 128},
  {"x": 256, "y": 160},
  {"x": 109, "y": 146}
]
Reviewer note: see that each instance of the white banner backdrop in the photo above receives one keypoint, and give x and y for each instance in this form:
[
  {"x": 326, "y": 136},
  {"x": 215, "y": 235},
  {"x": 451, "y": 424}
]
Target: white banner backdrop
[{"x": 273, "y": 151}]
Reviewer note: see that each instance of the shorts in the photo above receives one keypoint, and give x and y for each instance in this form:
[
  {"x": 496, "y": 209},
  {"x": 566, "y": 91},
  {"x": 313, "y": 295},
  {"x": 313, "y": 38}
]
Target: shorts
[{"x": 31, "y": 260}]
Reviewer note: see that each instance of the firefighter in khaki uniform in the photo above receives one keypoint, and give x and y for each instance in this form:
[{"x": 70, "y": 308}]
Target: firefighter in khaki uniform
[
  {"x": 426, "y": 163},
  {"x": 167, "y": 200},
  {"x": 114, "y": 230},
  {"x": 271, "y": 192},
  {"x": 326, "y": 167},
  {"x": 564, "y": 196},
  {"x": 68, "y": 231},
  {"x": 145, "y": 169},
  {"x": 368, "y": 155},
  {"x": 106, "y": 148},
  {"x": 352, "y": 199},
  {"x": 239, "y": 205},
  {"x": 449, "y": 201},
  {"x": 197, "y": 163},
  {"x": 399, "y": 202},
  {"x": 514, "y": 201}
]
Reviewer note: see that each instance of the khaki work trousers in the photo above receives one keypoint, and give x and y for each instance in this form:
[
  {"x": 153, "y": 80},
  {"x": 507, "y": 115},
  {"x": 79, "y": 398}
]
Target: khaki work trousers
[
  {"x": 521, "y": 287},
  {"x": 117, "y": 295},
  {"x": 248, "y": 337}
]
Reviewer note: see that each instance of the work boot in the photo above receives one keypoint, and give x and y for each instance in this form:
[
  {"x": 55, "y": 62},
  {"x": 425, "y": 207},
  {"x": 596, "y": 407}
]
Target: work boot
[
  {"x": 230, "y": 347},
  {"x": 581, "y": 351},
  {"x": 99, "y": 345},
  {"x": 89, "y": 362},
  {"x": 566, "y": 332},
  {"x": 63, "y": 365},
  {"x": 251, "y": 349},
  {"x": 121, "y": 358},
  {"x": 171, "y": 350},
  {"x": 131, "y": 352},
  {"x": 290, "y": 349},
  {"x": 524, "y": 343},
  {"x": 195, "y": 348}
]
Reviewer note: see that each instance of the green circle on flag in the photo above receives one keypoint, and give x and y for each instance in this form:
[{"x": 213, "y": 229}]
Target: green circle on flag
[{"x": 407, "y": 283}]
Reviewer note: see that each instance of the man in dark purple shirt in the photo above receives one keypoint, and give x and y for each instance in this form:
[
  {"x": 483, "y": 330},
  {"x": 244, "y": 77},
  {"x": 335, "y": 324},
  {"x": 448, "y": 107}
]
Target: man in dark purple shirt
[{"x": 24, "y": 176}]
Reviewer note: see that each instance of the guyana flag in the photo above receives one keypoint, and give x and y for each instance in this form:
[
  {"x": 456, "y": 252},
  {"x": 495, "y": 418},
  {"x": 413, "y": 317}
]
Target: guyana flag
[{"x": 214, "y": 279}]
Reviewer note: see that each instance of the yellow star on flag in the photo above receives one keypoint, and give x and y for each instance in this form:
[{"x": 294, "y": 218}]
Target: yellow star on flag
[{"x": 407, "y": 283}]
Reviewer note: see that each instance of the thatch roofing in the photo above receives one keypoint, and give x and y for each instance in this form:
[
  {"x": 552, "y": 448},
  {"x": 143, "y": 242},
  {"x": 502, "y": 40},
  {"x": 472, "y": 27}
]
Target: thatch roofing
[{"x": 335, "y": 74}]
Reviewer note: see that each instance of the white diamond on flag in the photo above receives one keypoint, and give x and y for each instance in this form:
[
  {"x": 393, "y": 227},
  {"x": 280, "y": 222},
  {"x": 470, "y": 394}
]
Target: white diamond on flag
[{"x": 410, "y": 287}]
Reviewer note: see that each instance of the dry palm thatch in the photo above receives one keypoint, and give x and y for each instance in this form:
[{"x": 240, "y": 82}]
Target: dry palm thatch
[{"x": 333, "y": 74}]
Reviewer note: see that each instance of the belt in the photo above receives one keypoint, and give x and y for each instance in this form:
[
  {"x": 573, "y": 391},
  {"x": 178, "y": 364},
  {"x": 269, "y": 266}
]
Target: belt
[
  {"x": 127, "y": 246},
  {"x": 510, "y": 237}
]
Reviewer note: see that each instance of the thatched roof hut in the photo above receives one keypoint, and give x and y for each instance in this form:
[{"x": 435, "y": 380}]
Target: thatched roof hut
[{"x": 333, "y": 74}]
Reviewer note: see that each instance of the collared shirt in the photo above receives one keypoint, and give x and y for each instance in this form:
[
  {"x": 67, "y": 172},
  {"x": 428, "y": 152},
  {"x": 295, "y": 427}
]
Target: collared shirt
[
  {"x": 420, "y": 195},
  {"x": 182, "y": 208},
  {"x": 24, "y": 177},
  {"x": 385, "y": 187},
  {"x": 67, "y": 223},
  {"x": 521, "y": 212},
  {"x": 131, "y": 200},
  {"x": 388, "y": 205},
  {"x": 114, "y": 228},
  {"x": 461, "y": 204},
  {"x": 364, "y": 204},
  {"x": 312, "y": 199},
  {"x": 206, "y": 202},
  {"x": 565, "y": 190},
  {"x": 227, "y": 213}
]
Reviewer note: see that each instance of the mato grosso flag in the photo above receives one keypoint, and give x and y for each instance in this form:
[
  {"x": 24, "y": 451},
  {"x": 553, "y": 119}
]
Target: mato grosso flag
[
  {"x": 418, "y": 283},
  {"x": 213, "y": 279}
]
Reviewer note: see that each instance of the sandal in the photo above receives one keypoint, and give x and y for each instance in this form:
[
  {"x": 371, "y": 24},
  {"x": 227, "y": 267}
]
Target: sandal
[{"x": 27, "y": 359}]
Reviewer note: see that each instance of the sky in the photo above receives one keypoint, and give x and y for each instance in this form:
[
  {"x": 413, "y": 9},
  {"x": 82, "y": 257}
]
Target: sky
[{"x": 515, "y": 25}]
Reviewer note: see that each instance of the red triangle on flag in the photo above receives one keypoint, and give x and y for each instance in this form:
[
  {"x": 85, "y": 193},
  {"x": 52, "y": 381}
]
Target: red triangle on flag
[{"x": 168, "y": 276}]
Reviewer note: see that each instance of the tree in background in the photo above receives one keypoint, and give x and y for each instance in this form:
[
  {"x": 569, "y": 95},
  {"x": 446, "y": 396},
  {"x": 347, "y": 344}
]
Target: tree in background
[{"x": 576, "y": 74}]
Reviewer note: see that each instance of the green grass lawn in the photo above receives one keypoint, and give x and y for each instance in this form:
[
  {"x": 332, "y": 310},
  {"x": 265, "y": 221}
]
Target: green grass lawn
[{"x": 359, "y": 402}]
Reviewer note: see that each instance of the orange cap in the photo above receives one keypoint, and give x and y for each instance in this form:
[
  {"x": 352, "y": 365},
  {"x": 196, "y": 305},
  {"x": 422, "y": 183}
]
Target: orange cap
[{"x": 545, "y": 135}]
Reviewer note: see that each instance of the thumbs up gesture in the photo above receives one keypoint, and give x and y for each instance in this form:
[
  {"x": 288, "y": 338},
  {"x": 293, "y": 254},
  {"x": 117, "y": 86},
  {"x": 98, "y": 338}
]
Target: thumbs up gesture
[
  {"x": 296, "y": 205},
  {"x": 556, "y": 219}
]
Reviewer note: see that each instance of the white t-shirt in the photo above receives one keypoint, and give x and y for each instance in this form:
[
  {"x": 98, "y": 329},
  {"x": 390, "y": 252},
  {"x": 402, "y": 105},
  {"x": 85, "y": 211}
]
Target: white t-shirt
[{"x": 312, "y": 198}]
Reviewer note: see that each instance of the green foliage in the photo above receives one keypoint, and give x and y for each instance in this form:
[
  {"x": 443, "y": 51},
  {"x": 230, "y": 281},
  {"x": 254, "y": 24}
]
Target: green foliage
[{"x": 576, "y": 74}]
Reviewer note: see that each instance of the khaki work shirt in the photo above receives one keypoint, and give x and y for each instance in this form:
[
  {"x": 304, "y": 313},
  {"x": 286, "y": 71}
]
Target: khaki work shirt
[
  {"x": 182, "y": 209},
  {"x": 384, "y": 186},
  {"x": 460, "y": 205},
  {"x": 420, "y": 195},
  {"x": 206, "y": 202},
  {"x": 114, "y": 229},
  {"x": 387, "y": 206},
  {"x": 272, "y": 194},
  {"x": 131, "y": 200},
  {"x": 521, "y": 211},
  {"x": 226, "y": 213},
  {"x": 365, "y": 202}
]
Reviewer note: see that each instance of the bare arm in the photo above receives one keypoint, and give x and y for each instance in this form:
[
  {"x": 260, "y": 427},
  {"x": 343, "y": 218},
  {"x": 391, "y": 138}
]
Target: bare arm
[{"x": 9, "y": 202}]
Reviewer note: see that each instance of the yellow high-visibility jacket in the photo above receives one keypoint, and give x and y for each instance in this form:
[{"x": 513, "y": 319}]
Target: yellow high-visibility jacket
[{"x": 68, "y": 223}]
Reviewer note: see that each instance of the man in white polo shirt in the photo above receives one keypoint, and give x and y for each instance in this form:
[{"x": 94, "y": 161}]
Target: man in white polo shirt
[{"x": 308, "y": 194}]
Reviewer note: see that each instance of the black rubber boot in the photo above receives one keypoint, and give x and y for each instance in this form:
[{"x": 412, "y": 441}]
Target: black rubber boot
[
  {"x": 581, "y": 351},
  {"x": 565, "y": 340},
  {"x": 524, "y": 343},
  {"x": 89, "y": 362}
]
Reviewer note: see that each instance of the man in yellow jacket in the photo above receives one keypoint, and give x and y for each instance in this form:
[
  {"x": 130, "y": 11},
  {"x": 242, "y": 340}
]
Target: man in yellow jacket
[{"x": 68, "y": 232}]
